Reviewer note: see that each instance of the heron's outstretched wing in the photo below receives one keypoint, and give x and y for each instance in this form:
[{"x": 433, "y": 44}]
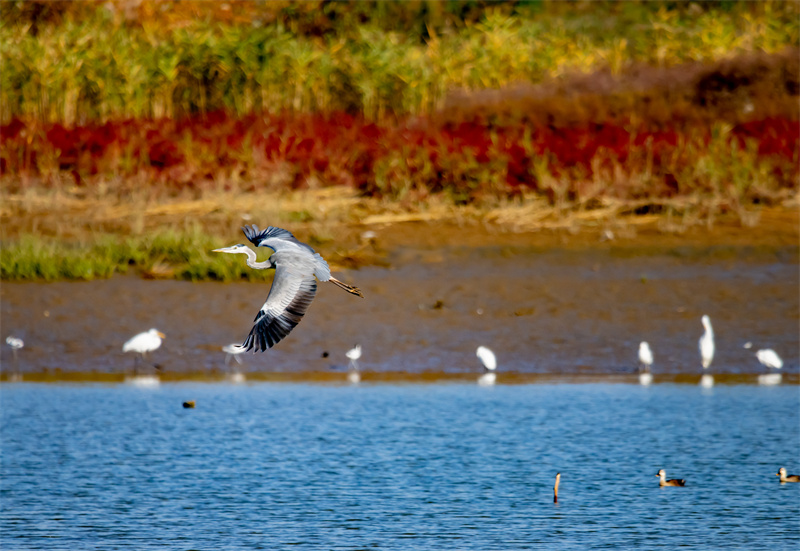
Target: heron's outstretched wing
[
  {"x": 276, "y": 239},
  {"x": 289, "y": 298}
]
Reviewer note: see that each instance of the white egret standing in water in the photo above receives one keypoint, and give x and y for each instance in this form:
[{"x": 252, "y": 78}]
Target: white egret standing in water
[
  {"x": 16, "y": 344},
  {"x": 293, "y": 287},
  {"x": 706, "y": 345},
  {"x": 142, "y": 344},
  {"x": 645, "y": 361},
  {"x": 489, "y": 362},
  {"x": 769, "y": 359},
  {"x": 354, "y": 354},
  {"x": 234, "y": 350}
]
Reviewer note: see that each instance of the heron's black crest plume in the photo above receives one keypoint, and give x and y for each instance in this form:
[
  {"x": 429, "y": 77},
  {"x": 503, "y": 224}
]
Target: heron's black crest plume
[{"x": 256, "y": 236}]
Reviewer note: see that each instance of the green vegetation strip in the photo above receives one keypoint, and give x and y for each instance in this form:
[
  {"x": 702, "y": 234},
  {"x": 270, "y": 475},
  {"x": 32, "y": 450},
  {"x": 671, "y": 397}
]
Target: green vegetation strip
[{"x": 168, "y": 254}]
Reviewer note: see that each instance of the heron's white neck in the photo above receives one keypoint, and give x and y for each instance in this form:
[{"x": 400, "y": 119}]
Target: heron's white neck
[{"x": 251, "y": 260}]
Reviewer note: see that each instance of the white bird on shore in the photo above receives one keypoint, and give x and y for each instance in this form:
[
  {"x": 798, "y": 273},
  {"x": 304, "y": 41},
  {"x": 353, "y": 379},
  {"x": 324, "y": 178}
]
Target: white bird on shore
[
  {"x": 234, "y": 351},
  {"x": 489, "y": 362},
  {"x": 354, "y": 354},
  {"x": 645, "y": 361},
  {"x": 16, "y": 344},
  {"x": 142, "y": 344},
  {"x": 706, "y": 346},
  {"x": 769, "y": 359}
]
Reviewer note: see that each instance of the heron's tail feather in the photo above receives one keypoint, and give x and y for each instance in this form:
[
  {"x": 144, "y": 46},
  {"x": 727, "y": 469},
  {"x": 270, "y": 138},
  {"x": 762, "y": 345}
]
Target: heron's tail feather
[{"x": 349, "y": 288}]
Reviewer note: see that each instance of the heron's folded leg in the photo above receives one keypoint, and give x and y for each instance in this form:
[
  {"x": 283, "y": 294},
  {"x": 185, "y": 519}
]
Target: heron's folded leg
[{"x": 349, "y": 288}]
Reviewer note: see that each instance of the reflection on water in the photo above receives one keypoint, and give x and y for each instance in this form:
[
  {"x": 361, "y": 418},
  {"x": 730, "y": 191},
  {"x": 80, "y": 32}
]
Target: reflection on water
[{"x": 397, "y": 467}]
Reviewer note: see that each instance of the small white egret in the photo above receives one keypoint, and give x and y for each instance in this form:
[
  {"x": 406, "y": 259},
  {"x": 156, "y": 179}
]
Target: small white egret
[
  {"x": 645, "y": 361},
  {"x": 487, "y": 358},
  {"x": 645, "y": 356},
  {"x": 144, "y": 342},
  {"x": 234, "y": 351},
  {"x": 706, "y": 346},
  {"x": 662, "y": 479},
  {"x": 16, "y": 344},
  {"x": 787, "y": 478},
  {"x": 769, "y": 359},
  {"x": 293, "y": 288},
  {"x": 354, "y": 354},
  {"x": 489, "y": 362},
  {"x": 706, "y": 343},
  {"x": 141, "y": 344}
]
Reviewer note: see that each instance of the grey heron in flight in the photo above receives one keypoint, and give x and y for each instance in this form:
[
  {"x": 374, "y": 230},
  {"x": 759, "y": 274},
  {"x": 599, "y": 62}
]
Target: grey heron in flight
[{"x": 293, "y": 288}]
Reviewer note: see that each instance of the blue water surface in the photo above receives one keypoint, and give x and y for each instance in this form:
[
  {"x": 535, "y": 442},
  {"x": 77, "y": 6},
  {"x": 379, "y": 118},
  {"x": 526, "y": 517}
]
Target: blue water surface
[{"x": 285, "y": 466}]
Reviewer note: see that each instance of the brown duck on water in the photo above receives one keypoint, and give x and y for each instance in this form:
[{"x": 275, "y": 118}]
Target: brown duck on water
[
  {"x": 662, "y": 474},
  {"x": 787, "y": 478}
]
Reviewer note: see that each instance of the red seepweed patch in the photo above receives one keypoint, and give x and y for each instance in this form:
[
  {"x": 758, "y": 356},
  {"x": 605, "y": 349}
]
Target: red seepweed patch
[{"x": 340, "y": 149}]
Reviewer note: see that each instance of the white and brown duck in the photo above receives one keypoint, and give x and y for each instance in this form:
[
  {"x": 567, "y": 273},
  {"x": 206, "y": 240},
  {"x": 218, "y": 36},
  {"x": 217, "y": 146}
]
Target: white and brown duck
[
  {"x": 662, "y": 475},
  {"x": 787, "y": 478}
]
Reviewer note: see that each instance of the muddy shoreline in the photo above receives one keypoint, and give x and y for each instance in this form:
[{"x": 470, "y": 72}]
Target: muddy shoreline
[{"x": 574, "y": 312}]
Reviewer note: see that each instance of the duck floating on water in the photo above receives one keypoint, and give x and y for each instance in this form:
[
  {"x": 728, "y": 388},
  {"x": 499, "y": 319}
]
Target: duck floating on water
[
  {"x": 662, "y": 475},
  {"x": 787, "y": 478}
]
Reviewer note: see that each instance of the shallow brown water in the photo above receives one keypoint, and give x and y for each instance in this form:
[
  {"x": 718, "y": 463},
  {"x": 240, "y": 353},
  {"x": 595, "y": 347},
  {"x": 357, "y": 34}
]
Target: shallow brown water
[{"x": 545, "y": 313}]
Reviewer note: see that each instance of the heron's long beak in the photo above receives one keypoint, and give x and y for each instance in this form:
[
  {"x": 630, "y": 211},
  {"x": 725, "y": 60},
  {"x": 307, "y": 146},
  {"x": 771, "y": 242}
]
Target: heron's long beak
[
  {"x": 162, "y": 335},
  {"x": 222, "y": 250}
]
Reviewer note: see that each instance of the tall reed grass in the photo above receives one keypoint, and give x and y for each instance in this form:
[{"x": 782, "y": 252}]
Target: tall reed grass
[{"x": 99, "y": 66}]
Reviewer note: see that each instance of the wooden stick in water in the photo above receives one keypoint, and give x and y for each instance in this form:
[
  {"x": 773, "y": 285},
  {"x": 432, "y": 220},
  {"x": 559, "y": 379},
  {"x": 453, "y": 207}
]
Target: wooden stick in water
[{"x": 555, "y": 488}]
